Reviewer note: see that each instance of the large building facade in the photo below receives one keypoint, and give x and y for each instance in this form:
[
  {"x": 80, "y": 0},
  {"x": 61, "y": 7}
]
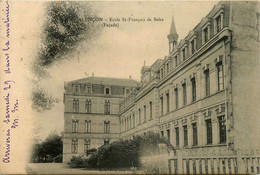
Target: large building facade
[
  {"x": 203, "y": 97},
  {"x": 91, "y": 113},
  {"x": 200, "y": 93}
]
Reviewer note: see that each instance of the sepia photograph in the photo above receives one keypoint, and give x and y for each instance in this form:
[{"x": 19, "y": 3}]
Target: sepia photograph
[{"x": 130, "y": 87}]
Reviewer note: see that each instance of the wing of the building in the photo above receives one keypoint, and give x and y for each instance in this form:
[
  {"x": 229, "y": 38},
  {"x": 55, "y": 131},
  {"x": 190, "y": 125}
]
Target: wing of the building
[
  {"x": 91, "y": 107},
  {"x": 203, "y": 97}
]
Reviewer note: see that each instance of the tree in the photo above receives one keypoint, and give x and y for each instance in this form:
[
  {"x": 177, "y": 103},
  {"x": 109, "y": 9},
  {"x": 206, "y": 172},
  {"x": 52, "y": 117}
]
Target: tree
[
  {"x": 64, "y": 28},
  {"x": 48, "y": 150}
]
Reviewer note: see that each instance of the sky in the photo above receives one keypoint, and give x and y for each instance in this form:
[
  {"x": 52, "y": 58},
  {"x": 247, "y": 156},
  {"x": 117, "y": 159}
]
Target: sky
[{"x": 117, "y": 52}]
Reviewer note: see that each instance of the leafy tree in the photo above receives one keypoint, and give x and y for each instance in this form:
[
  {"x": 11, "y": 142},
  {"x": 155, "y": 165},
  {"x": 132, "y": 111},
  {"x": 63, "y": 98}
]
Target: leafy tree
[
  {"x": 48, "y": 150},
  {"x": 64, "y": 28},
  {"x": 42, "y": 100}
]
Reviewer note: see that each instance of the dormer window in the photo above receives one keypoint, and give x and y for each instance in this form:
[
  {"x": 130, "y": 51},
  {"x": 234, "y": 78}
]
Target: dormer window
[
  {"x": 88, "y": 89},
  {"x": 162, "y": 74},
  {"x": 107, "y": 90},
  {"x": 127, "y": 91},
  {"x": 192, "y": 42},
  {"x": 183, "y": 51},
  {"x": 206, "y": 34},
  {"x": 176, "y": 60},
  {"x": 167, "y": 67},
  {"x": 205, "y": 30},
  {"x": 76, "y": 88},
  {"x": 218, "y": 21},
  {"x": 192, "y": 46}
]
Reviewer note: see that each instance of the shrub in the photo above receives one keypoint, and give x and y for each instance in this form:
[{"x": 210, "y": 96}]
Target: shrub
[
  {"x": 78, "y": 162},
  {"x": 91, "y": 151},
  {"x": 122, "y": 153},
  {"x": 127, "y": 153},
  {"x": 58, "y": 158}
]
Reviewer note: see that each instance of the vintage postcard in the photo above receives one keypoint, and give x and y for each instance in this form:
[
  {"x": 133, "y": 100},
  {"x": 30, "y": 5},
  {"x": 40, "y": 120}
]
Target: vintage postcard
[{"x": 131, "y": 87}]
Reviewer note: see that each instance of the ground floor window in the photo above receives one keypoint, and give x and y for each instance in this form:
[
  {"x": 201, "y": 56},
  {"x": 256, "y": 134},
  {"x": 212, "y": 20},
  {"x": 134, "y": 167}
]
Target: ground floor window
[
  {"x": 106, "y": 142},
  {"x": 74, "y": 146},
  {"x": 222, "y": 129},
  {"x": 209, "y": 131},
  {"x": 185, "y": 135},
  {"x": 195, "y": 134},
  {"x": 86, "y": 146},
  {"x": 177, "y": 137}
]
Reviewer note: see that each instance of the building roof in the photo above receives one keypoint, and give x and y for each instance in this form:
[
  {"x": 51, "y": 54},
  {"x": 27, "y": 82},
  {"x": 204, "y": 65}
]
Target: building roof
[
  {"x": 173, "y": 28},
  {"x": 107, "y": 81}
]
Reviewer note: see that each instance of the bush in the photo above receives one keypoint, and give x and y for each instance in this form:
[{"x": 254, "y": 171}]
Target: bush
[
  {"x": 58, "y": 158},
  {"x": 78, "y": 162},
  {"x": 127, "y": 153},
  {"x": 122, "y": 153},
  {"x": 91, "y": 151}
]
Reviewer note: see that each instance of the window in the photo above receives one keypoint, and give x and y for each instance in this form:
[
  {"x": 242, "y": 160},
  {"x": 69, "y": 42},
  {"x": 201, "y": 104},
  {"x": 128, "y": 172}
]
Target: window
[
  {"x": 88, "y": 89},
  {"x": 194, "y": 134},
  {"x": 107, "y": 90},
  {"x": 185, "y": 135},
  {"x": 176, "y": 60},
  {"x": 107, "y": 107},
  {"x": 177, "y": 137},
  {"x": 176, "y": 98},
  {"x": 127, "y": 123},
  {"x": 86, "y": 146},
  {"x": 207, "y": 82},
  {"x": 168, "y": 135},
  {"x": 167, "y": 68},
  {"x": 162, "y": 134},
  {"x": 209, "y": 131},
  {"x": 206, "y": 34},
  {"x": 74, "y": 146},
  {"x": 192, "y": 45},
  {"x": 144, "y": 113},
  {"x": 75, "y": 125},
  {"x": 76, "y": 88},
  {"x": 193, "y": 87},
  {"x": 167, "y": 102},
  {"x": 88, "y": 106},
  {"x": 127, "y": 91},
  {"x": 88, "y": 126},
  {"x": 220, "y": 76},
  {"x": 151, "y": 110},
  {"x": 130, "y": 121},
  {"x": 106, "y": 142},
  {"x": 106, "y": 127},
  {"x": 133, "y": 120},
  {"x": 140, "y": 117},
  {"x": 184, "y": 94},
  {"x": 222, "y": 129},
  {"x": 76, "y": 105},
  {"x": 161, "y": 73},
  {"x": 183, "y": 54},
  {"x": 161, "y": 105},
  {"x": 218, "y": 24}
]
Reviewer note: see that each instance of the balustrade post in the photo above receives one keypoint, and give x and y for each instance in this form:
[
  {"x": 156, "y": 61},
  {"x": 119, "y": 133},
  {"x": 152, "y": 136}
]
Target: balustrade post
[
  {"x": 179, "y": 162},
  {"x": 240, "y": 168}
]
